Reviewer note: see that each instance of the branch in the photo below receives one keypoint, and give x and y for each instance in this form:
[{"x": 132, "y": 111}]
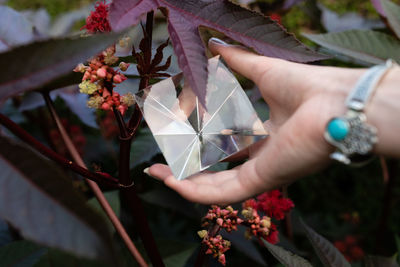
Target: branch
[
  {"x": 129, "y": 193},
  {"x": 212, "y": 231},
  {"x": 47, "y": 152},
  {"x": 95, "y": 188}
]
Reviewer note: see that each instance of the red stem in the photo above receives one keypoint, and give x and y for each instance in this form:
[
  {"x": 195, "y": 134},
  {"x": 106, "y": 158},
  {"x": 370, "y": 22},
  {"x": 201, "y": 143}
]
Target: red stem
[
  {"x": 129, "y": 193},
  {"x": 288, "y": 218},
  {"x": 95, "y": 188},
  {"x": 213, "y": 231},
  {"x": 47, "y": 152}
]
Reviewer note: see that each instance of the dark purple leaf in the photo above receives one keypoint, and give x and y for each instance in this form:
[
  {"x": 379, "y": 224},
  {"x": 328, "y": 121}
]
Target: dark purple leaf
[
  {"x": 185, "y": 17},
  {"x": 28, "y": 67},
  {"x": 125, "y": 13},
  {"x": 250, "y": 28},
  {"x": 37, "y": 198},
  {"x": 190, "y": 51},
  {"x": 378, "y": 7},
  {"x": 326, "y": 251}
]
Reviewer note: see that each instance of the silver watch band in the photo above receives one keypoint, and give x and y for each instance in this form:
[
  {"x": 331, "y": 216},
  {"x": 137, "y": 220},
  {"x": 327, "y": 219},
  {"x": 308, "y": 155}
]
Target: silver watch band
[
  {"x": 352, "y": 136},
  {"x": 362, "y": 91}
]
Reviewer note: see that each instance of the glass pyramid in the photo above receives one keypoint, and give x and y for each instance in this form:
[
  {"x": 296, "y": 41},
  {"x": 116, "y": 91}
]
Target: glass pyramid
[{"x": 193, "y": 137}]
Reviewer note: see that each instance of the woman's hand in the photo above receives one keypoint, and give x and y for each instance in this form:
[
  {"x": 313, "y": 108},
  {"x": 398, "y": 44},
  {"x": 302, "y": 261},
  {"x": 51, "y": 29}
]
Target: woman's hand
[{"x": 302, "y": 99}]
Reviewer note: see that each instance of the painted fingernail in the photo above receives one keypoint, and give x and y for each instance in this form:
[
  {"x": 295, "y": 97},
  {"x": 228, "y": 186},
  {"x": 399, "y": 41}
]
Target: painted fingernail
[
  {"x": 146, "y": 171},
  {"x": 218, "y": 41}
]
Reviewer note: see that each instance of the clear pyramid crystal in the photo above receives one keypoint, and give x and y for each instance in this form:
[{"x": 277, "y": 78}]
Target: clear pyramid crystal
[{"x": 193, "y": 137}]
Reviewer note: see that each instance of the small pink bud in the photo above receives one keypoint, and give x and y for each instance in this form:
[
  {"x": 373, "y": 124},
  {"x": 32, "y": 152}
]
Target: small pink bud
[
  {"x": 86, "y": 76},
  {"x": 106, "y": 93},
  {"x": 220, "y": 221},
  {"x": 222, "y": 259},
  {"x": 105, "y": 106},
  {"x": 123, "y": 66},
  {"x": 122, "y": 109},
  {"x": 209, "y": 251},
  {"x": 117, "y": 79},
  {"x": 102, "y": 73}
]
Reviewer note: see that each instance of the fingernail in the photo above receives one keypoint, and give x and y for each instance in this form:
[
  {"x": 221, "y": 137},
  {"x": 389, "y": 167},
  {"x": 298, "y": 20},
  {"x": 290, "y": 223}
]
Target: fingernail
[
  {"x": 146, "y": 171},
  {"x": 218, "y": 41}
]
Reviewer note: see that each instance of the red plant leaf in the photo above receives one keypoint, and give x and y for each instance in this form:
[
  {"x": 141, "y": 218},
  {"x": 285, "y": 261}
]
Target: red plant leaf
[
  {"x": 184, "y": 18},
  {"x": 190, "y": 51},
  {"x": 124, "y": 13}
]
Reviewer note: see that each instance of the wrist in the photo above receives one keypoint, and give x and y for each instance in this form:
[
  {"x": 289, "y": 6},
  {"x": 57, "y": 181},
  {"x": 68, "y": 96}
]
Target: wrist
[{"x": 383, "y": 112}]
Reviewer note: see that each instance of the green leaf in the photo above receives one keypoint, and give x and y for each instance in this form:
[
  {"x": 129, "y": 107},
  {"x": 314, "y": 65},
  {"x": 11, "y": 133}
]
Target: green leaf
[
  {"x": 176, "y": 253},
  {"x": 377, "y": 261},
  {"x": 180, "y": 258},
  {"x": 369, "y": 46},
  {"x": 167, "y": 198},
  {"x": 28, "y": 67},
  {"x": 326, "y": 252},
  {"x": 56, "y": 258},
  {"x": 38, "y": 200},
  {"x": 143, "y": 148},
  {"x": 393, "y": 15},
  {"x": 285, "y": 257},
  {"x": 21, "y": 253}
]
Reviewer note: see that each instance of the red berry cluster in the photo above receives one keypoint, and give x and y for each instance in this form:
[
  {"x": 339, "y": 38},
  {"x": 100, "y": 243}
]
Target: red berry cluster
[
  {"x": 274, "y": 205},
  {"x": 226, "y": 218},
  {"x": 350, "y": 249},
  {"x": 216, "y": 246},
  {"x": 77, "y": 137},
  {"x": 100, "y": 78},
  {"x": 260, "y": 227},
  {"x": 98, "y": 19}
]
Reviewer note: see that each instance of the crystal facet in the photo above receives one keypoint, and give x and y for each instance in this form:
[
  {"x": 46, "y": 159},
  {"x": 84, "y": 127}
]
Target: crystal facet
[{"x": 193, "y": 137}]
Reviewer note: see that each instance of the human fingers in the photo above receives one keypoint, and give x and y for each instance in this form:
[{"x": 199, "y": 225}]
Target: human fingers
[
  {"x": 283, "y": 84},
  {"x": 244, "y": 62},
  {"x": 162, "y": 172},
  {"x": 216, "y": 188}
]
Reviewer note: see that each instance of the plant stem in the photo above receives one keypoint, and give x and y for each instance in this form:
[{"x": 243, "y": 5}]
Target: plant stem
[
  {"x": 288, "y": 218},
  {"x": 47, "y": 152},
  {"x": 144, "y": 80},
  {"x": 128, "y": 193},
  {"x": 95, "y": 188},
  {"x": 213, "y": 231}
]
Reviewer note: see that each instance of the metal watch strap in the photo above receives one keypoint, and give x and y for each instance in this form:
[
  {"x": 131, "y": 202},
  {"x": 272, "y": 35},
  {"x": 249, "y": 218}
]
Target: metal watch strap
[
  {"x": 352, "y": 136},
  {"x": 362, "y": 91}
]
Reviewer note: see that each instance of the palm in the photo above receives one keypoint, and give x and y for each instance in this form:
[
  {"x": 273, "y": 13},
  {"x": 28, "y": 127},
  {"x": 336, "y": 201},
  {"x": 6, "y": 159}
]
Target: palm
[{"x": 300, "y": 108}]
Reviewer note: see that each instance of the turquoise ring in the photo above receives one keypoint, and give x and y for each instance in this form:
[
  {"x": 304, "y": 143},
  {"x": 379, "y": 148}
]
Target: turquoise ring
[{"x": 351, "y": 135}]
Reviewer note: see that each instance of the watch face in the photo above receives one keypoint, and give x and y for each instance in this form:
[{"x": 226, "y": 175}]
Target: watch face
[{"x": 193, "y": 136}]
